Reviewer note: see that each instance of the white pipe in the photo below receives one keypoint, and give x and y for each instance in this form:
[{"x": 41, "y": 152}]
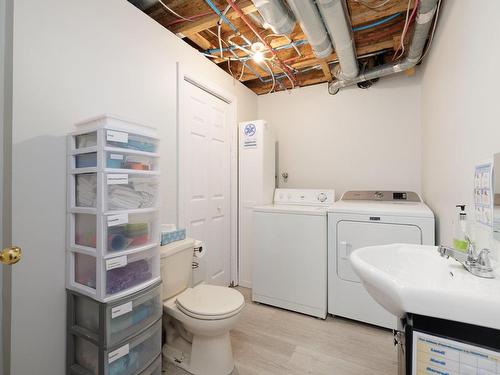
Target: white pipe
[
  {"x": 276, "y": 15},
  {"x": 310, "y": 21},
  {"x": 339, "y": 27},
  {"x": 425, "y": 14}
]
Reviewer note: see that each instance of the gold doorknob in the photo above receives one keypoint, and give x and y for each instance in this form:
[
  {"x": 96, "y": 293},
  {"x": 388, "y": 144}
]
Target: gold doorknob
[{"x": 11, "y": 255}]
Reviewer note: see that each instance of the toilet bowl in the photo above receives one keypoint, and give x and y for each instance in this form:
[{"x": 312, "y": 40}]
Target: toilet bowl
[{"x": 197, "y": 320}]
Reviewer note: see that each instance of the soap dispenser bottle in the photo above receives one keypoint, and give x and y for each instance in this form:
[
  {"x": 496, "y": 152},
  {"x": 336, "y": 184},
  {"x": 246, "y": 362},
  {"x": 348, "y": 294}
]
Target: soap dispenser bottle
[{"x": 459, "y": 238}]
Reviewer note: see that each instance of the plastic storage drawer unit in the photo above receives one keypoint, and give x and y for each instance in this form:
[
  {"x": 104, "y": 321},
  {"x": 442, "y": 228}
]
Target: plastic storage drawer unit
[
  {"x": 113, "y": 278},
  {"x": 111, "y": 323},
  {"x": 126, "y": 160},
  {"x": 130, "y": 141},
  {"x": 130, "y": 357},
  {"x": 130, "y": 191},
  {"x": 130, "y": 231}
]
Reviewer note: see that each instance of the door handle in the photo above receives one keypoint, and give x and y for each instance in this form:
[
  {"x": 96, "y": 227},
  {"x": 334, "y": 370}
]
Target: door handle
[
  {"x": 347, "y": 248},
  {"x": 11, "y": 255}
]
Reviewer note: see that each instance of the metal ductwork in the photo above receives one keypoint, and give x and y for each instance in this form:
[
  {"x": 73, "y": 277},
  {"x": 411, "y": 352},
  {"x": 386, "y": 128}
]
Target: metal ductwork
[
  {"x": 310, "y": 21},
  {"x": 425, "y": 14},
  {"x": 336, "y": 18},
  {"x": 276, "y": 15},
  {"x": 143, "y": 4}
]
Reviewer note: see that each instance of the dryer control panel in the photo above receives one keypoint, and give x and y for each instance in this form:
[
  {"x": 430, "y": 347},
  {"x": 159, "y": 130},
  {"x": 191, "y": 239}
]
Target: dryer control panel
[
  {"x": 381, "y": 195},
  {"x": 304, "y": 197}
]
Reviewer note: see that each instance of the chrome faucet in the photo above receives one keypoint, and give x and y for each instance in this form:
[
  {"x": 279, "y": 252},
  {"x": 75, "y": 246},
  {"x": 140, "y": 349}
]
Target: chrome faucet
[{"x": 478, "y": 265}]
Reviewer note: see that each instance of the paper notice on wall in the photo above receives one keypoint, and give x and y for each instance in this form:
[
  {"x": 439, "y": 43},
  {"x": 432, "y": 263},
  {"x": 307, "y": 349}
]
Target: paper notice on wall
[
  {"x": 439, "y": 355},
  {"x": 483, "y": 194},
  {"x": 250, "y": 136}
]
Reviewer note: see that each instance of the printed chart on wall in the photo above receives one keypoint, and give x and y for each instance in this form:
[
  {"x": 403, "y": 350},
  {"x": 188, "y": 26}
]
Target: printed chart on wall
[
  {"x": 250, "y": 136},
  {"x": 483, "y": 194},
  {"x": 437, "y": 355}
]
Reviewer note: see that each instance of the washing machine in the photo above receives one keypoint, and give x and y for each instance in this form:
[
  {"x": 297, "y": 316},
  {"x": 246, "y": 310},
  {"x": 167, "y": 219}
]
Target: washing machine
[
  {"x": 369, "y": 218},
  {"x": 290, "y": 251}
]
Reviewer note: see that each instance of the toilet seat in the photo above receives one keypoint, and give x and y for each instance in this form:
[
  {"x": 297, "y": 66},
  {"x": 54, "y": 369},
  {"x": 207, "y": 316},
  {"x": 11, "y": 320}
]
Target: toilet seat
[{"x": 210, "y": 302}]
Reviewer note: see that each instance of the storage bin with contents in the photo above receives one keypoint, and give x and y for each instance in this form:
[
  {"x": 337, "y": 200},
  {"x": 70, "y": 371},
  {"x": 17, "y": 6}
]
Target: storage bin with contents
[
  {"x": 129, "y": 231},
  {"x": 130, "y": 141},
  {"x": 131, "y": 191}
]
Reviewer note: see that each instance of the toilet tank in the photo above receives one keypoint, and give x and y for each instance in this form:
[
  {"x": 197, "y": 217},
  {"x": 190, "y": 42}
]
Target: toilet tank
[{"x": 176, "y": 267}]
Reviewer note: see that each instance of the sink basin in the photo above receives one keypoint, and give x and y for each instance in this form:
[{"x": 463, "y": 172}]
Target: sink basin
[{"x": 416, "y": 279}]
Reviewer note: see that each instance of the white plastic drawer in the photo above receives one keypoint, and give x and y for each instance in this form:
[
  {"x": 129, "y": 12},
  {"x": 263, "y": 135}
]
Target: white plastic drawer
[
  {"x": 127, "y": 359},
  {"x": 121, "y": 139},
  {"x": 122, "y": 319},
  {"x": 130, "y": 231},
  {"x": 125, "y": 160},
  {"x": 129, "y": 191},
  {"x": 85, "y": 140},
  {"x": 126, "y": 272},
  {"x": 85, "y": 230},
  {"x": 85, "y": 270},
  {"x": 86, "y": 190}
]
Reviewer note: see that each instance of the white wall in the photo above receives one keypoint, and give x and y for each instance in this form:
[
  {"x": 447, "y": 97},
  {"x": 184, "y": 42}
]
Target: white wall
[
  {"x": 357, "y": 139},
  {"x": 73, "y": 60},
  {"x": 460, "y": 109}
]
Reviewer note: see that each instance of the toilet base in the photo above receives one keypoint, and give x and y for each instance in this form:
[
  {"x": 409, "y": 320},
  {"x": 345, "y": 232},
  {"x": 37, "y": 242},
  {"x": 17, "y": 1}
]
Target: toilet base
[{"x": 207, "y": 355}]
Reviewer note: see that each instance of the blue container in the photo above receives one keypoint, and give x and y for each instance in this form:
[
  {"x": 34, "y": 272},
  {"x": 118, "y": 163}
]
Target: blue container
[
  {"x": 86, "y": 160},
  {"x": 173, "y": 236}
]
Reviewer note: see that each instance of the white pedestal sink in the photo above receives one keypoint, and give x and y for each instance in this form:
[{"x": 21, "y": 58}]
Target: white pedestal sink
[{"x": 416, "y": 279}]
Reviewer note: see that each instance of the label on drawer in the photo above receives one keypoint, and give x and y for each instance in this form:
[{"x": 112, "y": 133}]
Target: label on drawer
[
  {"x": 117, "y": 179},
  {"x": 116, "y": 263},
  {"x": 116, "y": 156},
  {"x": 119, "y": 219},
  {"x": 121, "y": 310},
  {"x": 118, "y": 353},
  {"x": 114, "y": 136}
]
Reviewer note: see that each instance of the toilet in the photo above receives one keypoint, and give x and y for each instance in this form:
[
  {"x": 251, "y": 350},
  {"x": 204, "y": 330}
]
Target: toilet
[{"x": 196, "y": 320}]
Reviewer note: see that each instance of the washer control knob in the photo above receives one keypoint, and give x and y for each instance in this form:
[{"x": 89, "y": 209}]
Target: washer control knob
[{"x": 322, "y": 197}]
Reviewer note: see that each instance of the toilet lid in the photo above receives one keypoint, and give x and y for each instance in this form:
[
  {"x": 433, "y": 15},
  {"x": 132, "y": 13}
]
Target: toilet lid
[{"x": 210, "y": 300}]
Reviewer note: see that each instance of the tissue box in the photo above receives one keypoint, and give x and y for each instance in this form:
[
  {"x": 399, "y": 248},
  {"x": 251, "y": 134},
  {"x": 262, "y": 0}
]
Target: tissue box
[{"x": 172, "y": 236}]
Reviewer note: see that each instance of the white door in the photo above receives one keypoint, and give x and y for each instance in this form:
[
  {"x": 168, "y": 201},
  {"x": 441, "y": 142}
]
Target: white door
[
  {"x": 205, "y": 180},
  {"x": 355, "y": 234}
]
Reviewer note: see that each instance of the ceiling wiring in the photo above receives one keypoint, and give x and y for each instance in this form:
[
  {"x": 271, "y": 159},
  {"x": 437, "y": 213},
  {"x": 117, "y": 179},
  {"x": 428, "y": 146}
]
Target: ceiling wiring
[
  {"x": 272, "y": 76},
  {"x": 409, "y": 18},
  {"x": 371, "y": 6},
  {"x": 174, "y": 12}
]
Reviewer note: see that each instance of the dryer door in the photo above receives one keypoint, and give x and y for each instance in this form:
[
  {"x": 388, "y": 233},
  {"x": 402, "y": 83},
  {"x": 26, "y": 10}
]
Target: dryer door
[{"x": 352, "y": 235}]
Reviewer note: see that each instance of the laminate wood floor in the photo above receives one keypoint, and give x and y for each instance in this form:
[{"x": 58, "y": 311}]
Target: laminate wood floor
[{"x": 272, "y": 341}]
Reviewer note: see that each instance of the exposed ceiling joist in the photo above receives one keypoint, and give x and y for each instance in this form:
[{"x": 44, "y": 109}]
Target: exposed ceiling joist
[
  {"x": 376, "y": 32},
  {"x": 206, "y": 22}
]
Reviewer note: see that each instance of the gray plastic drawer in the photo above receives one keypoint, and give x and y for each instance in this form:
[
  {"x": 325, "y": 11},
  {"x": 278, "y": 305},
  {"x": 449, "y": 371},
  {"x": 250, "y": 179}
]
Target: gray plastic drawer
[
  {"x": 129, "y": 358},
  {"x": 154, "y": 368},
  {"x": 108, "y": 324}
]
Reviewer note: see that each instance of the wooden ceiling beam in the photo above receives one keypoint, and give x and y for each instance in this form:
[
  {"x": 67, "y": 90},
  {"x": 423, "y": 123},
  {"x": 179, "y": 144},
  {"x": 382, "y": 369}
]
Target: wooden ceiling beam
[
  {"x": 200, "y": 41},
  {"x": 326, "y": 70},
  {"x": 188, "y": 28}
]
